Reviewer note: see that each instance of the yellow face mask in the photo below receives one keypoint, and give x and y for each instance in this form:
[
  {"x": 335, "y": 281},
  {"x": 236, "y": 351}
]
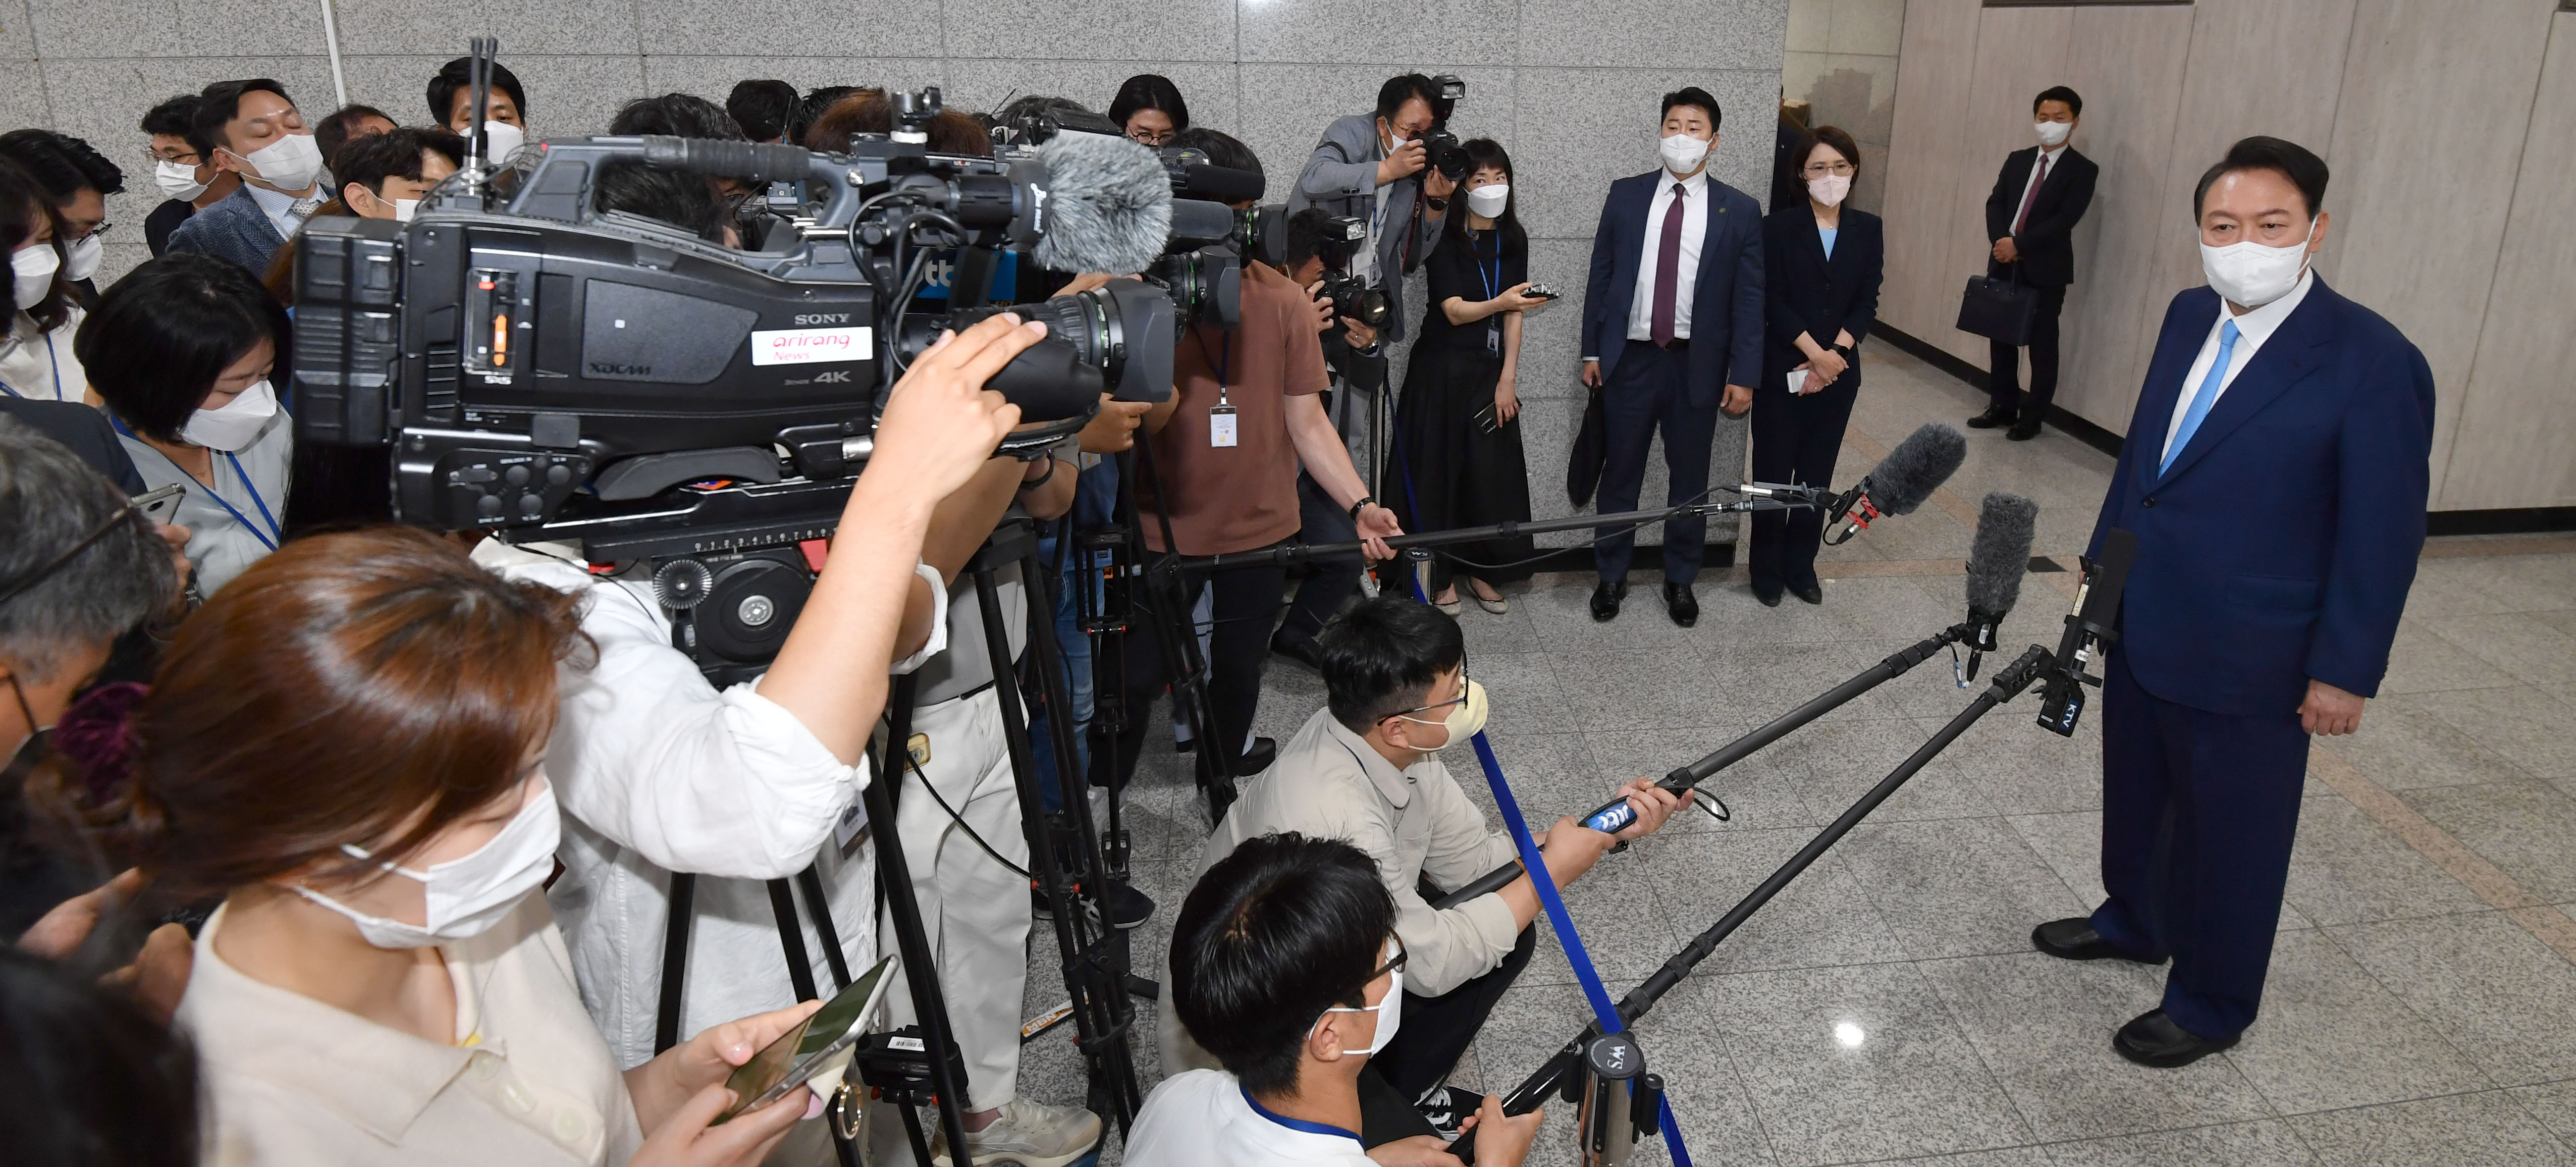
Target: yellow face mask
[{"x": 1465, "y": 720}]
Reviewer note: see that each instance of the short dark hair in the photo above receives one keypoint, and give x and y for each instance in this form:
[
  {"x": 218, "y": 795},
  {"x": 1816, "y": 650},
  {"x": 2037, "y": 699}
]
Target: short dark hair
[
  {"x": 680, "y": 115},
  {"x": 372, "y": 159},
  {"x": 809, "y": 109},
  {"x": 1149, "y": 91},
  {"x": 50, "y": 500},
  {"x": 1222, "y": 149},
  {"x": 870, "y": 111},
  {"x": 1281, "y": 929},
  {"x": 761, "y": 108},
  {"x": 1692, "y": 95},
  {"x": 161, "y": 336},
  {"x": 94, "y": 1080},
  {"x": 62, "y": 164},
  {"x": 1311, "y": 235},
  {"x": 176, "y": 117},
  {"x": 1481, "y": 153},
  {"x": 334, "y": 133},
  {"x": 2074, "y": 104},
  {"x": 1834, "y": 136},
  {"x": 459, "y": 75},
  {"x": 1382, "y": 655},
  {"x": 218, "y": 104},
  {"x": 689, "y": 202},
  {"x": 1403, "y": 88},
  {"x": 2289, "y": 159}
]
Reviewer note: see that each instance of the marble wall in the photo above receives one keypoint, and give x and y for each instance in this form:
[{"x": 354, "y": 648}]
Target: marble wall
[
  {"x": 2449, "y": 131},
  {"x": 1568, "y": 86}
]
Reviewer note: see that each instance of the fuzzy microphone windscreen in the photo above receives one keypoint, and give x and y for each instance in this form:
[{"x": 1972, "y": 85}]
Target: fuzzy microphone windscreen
[
  {"x": 1999, "y": 554},
  {"x": 1108, "y": 205},
  {"x": 1915, "y": 468}
]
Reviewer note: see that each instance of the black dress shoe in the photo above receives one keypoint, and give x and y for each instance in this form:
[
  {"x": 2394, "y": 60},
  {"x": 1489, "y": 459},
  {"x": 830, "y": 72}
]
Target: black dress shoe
[
  {"x": 1300, "y": 649},
  {"x": 1264, "y": 751},
  {"x": 1768, "y": 594},
  {"x": 1994, "y": 416},
  {"x": 1681, "y": 603},
  {"x": 2073, "y": 938},
  {"x": 2152, "y": 1039},
  {"x": 1812, "y": 593},
  {"x": 2022, "y": 431},
  {"x": 1605, "y": 600}
]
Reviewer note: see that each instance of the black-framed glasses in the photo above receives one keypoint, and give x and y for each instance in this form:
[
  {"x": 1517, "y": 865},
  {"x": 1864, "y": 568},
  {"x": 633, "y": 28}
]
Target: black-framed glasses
[
  {"x": 55, "y": 564},
  {"x": 1459, "y": 699}
]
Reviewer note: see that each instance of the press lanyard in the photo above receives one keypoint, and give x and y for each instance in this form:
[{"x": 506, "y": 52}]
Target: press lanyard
[
  {"x": 1222, "y": 421},
  {"x": 1493, "y": 322},
  {"x": 267, "y": 539},
  {"x": 50, "y": 359}
]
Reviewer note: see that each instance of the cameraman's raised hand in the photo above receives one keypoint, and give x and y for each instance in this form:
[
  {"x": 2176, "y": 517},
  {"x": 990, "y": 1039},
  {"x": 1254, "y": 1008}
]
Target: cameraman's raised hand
[
  {"x": 940, "y": 423},
  {"x": 1323, "y": 305},
  {"x": 1406, "y": 159},
  {"x": 1438, "y": 185},
  {"x": 1360, "y": 335},
  {"x": 1114, "y": 427}
]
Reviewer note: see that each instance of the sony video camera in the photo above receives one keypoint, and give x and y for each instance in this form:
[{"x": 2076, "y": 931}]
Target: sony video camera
[{"x": 547, "y": 370}]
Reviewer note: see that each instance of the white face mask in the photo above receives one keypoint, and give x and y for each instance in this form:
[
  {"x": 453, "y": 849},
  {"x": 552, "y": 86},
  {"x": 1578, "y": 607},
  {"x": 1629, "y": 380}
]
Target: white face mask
[
  {"x": 2053, "y": 134},
  {"x": 177, "y": 180},
  {"x": 404, "y": 209},
  {"x": 1489, "y": 200},
  {"x": 234, "y": 424},
  {"x": 289, "y": 164},
  {"x": 35, "y": 265},
  {"x": 86, "y": 252},
  {"x": 1389, "y": 1010},
  {"x": 2251, "y": 274},
  {"x": 1684, "y": 153},
  {"x": 1465, "y": 718},
  {"x": 466, "y": 897},
  {"x": 1830, "y": 190},
  {"x": 503, "y": 140}
]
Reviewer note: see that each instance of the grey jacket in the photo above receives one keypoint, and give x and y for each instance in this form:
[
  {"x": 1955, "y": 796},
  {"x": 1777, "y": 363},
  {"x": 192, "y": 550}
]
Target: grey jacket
[
  {"x": 1341, "y": 177},
  {"x": 234, "y": 228}
]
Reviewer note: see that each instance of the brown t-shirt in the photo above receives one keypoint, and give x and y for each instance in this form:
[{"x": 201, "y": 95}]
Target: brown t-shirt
[{"x": 1237, "y": 498}]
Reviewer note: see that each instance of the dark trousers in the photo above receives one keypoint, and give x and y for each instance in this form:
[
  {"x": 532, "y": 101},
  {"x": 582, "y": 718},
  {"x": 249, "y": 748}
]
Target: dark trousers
[
  {"x": 1437, "y": 1030},
  {"x": 1796, "y": 437},
  {"x": 2198, "y": 810},
  {"x": 1647, "y": 392},
  {"x": 1245, "y": 604},
  {"x": 2003, "y": 384},
  {"x": 1321, "y": 520}
]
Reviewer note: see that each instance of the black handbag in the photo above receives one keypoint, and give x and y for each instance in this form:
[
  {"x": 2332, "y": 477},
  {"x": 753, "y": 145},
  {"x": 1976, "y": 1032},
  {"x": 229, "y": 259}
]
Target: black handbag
[
  {"x": 1998, "y": 309},
  {"x": 1591, "y": 451}
]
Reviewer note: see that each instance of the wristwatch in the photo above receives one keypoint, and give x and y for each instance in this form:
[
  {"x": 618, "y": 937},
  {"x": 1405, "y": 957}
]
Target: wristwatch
[
  {"x": 1365, "y": 502},
  {"x": 1435, "y": 204}
]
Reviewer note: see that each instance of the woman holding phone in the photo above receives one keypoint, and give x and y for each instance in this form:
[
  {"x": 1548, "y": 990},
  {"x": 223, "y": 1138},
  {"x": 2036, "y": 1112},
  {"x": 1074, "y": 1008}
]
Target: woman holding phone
[
  {"x": 1824, "y": 261},
  {"x": 1458, "y": 456},
  {"x": 346, "y": 744}
]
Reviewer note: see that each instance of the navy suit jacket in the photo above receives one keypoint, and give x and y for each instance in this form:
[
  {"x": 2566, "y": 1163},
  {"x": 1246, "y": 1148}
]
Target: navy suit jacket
[
  {"x": 1816, "y": 294},
  {"x": 2280, "y": 545},
  {"x": 1726, "y": 303}
]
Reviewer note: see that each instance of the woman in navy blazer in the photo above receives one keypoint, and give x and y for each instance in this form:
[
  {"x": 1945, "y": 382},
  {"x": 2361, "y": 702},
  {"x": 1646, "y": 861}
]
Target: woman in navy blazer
[{"x": 1824, "y": 261}]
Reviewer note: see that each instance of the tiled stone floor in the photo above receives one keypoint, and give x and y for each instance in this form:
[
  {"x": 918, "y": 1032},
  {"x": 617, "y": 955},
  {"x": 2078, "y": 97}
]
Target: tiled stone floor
[{"x": 2410, "y": 1017}]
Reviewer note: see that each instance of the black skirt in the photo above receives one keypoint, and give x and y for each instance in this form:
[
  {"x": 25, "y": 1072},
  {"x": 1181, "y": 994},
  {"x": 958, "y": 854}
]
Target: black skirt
[{"x": 1446, "y": 472}]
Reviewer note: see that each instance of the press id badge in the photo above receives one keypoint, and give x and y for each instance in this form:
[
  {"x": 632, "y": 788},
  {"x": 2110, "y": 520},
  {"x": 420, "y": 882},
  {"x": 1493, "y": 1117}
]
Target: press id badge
[
  {"x": 1222, "y": 433},
  {"x": 1493, "y": 338}
]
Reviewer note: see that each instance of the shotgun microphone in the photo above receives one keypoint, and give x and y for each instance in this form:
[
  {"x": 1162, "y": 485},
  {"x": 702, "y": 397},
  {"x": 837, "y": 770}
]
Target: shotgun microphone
[
  {"x": 2088, "y": 629},
  {"x": 1998, "y": 556},
  {"x": 1901, "y": 481}
]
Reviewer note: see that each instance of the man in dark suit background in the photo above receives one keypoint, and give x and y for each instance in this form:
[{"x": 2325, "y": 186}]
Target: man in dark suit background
[
  {"x": 1672, "y": 332},
  {"x": 2039, "y": 196},
  {"x": 2275, "y": 474}
]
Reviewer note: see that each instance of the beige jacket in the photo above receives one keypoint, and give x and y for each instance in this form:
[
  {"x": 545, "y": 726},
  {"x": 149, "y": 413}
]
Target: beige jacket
[
  {"x": 1414, "y": 822},
  {"x": 528, "y": 1081}
]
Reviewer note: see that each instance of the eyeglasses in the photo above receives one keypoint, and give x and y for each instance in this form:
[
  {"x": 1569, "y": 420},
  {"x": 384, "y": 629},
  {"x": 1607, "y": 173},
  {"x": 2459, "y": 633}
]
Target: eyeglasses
[
  {"x": 156, "y": 158},
  {"x": 1833, "y": 169},
  {"x": 55, "y": 564},
  {"x": 1151, "y": 137},
  {"x": 1461, "y": 697},
  {"x": 1392, "y": 964},
  {"x": 96, "y": 231}
]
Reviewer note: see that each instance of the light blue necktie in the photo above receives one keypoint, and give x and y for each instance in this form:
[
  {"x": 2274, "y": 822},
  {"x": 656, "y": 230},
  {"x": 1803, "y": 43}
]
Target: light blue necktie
[{"x": 2201, "y": 401}]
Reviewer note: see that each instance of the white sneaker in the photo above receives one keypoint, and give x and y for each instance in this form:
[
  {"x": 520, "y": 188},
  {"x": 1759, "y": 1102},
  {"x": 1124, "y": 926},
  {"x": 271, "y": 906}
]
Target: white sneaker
[{"x": 1029, "y": 1134}]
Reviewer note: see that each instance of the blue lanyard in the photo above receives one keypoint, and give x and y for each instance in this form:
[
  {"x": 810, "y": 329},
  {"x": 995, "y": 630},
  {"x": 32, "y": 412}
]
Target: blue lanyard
[
  {"x": 266, "y": 539},
  {"x": 50, "y": 359},
  {"x": 1493, "y": 282},
  {"x": 1224, "y": 362}
]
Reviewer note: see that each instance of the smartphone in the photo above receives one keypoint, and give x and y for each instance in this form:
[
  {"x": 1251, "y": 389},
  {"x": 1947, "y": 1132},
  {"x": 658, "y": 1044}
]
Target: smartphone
[
  {"x": 1486, "y": 420},
  {"x": 161, "y": 503},
  {"x": 1541, "y": 291},
  {"x": 818, "y": 1046}
]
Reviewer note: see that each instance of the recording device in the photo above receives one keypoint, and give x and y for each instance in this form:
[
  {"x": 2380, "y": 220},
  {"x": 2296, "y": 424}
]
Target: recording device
[
  {"x": 1353, "y": 300},
  {"x": 2088, "y": 631},
  {"x": 554, "y": 371},
  {"x": 814, "y": 1050},
  {"x": 1540, "y": 291},
  {"x": 1900, "y": 482},
  {"x": 1998, "y": 556},
  {"x": 159, "y": 503}
]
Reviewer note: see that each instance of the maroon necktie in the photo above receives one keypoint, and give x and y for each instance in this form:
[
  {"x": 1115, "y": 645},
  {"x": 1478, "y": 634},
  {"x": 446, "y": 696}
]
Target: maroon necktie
[
  {"x": 1668, "y": 264},
  {"x": 2036, "y": 182}
]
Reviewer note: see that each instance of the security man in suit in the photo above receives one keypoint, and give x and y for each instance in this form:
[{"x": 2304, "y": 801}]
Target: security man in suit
[
  {"x": 1672, "y": 332},
  {"x": 2275, "y": 475},
  {"x": 2038, "y": 198}
]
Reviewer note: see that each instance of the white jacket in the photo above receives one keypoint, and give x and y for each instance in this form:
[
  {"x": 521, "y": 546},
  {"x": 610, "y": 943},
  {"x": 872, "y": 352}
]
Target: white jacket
[
  {"x": 39, "y": 364},
  {"x": 657, "y": 771}
]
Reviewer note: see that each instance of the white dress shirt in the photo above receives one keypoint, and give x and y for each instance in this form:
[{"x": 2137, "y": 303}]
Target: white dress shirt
[
  {"x": 39, "y": 365},
  {"x": 2252, "y": 329},
  {"x": 281, "y": 207},
  {"x": 2040, "y": 168},
  {"x": 1641, "y": 314},
  {"x": 1204, "y": 1116},
  {"x": 658, "y": 771}
]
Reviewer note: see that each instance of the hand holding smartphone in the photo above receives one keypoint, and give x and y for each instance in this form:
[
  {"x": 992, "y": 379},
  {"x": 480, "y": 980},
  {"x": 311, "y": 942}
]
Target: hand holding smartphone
[{"x": 820, "y": 1046}]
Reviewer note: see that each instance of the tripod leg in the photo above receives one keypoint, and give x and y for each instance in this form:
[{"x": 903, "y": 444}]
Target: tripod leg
[
  {"x": 920, "y": 964},
  {"x": 810, "y": 881},
  {"x": 791, "y": 937},
  {"x": 682, "y": 905}
]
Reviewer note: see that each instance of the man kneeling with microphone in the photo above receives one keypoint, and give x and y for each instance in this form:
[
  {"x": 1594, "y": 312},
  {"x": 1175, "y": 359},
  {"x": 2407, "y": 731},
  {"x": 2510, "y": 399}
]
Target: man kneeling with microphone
[{"x": 1366, "y": 770}]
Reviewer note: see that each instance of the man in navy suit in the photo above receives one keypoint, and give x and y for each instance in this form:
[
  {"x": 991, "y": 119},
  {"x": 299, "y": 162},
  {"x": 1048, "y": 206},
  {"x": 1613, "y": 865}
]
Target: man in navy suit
[
  {"x": 2275, "y": 475},
  {"x": 2039, "y": 196},
  {"x": 1672, "y": 332}
]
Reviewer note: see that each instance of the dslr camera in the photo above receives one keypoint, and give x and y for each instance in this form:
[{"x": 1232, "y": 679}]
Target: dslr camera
[{"x": 1441, "y": 150}]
